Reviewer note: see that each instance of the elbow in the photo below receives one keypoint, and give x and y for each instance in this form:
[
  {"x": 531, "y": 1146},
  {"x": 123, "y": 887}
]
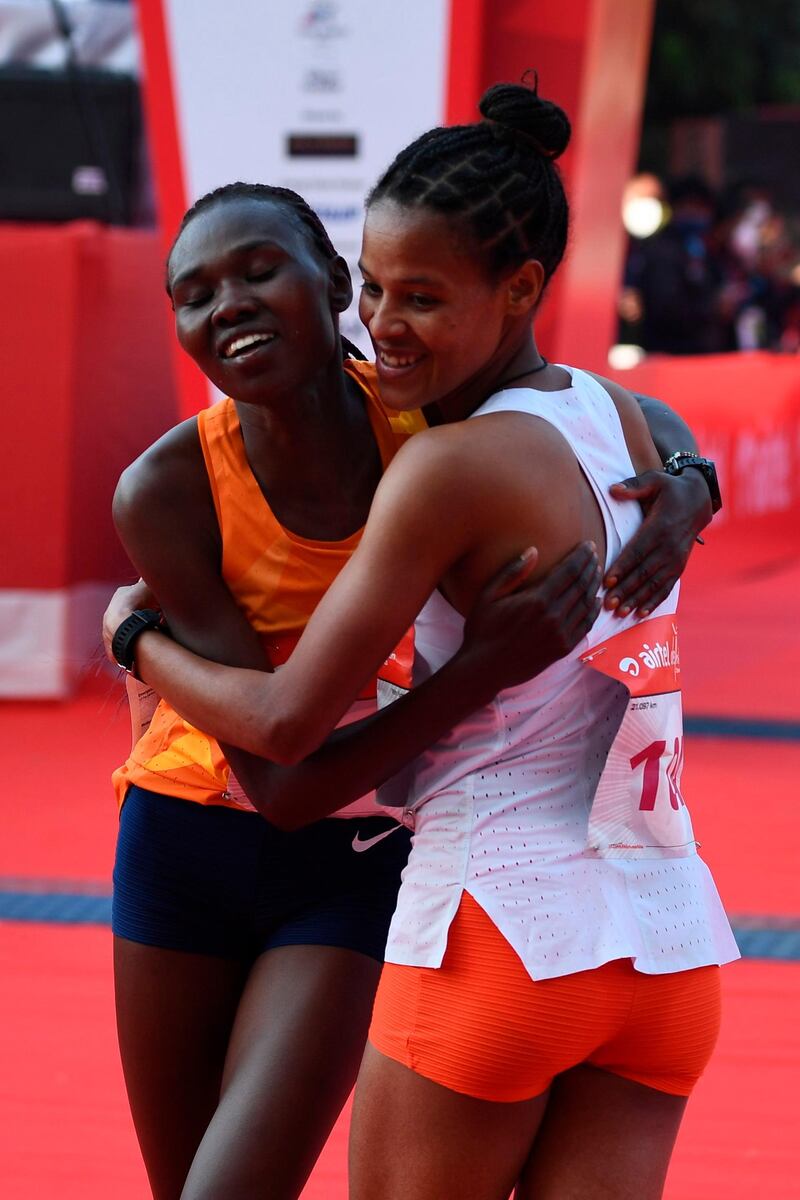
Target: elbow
[
  {"x": 284, "y": 753},
  {"x": 283, "y": 740}
]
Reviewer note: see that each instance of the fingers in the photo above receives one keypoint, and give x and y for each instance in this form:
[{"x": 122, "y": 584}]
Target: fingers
[
  {"x": 574, "y": 604},
  {"x": 678, "y": 507},
  {"x": 584, "y": 592},
  {"x": 634, "y": 489},
  {"x": 585, "y": 607},
  {"x": 647, "y": 568},
  {"x": 581, "y": 597},
  {"x": 511, "y": 576},
  {"x": 652, "y": 592},
  {"x": 584, "y": 623},
  {"x": 579, "y": 621},
  {"x": 577, "y": 609},
  {"x": 650, "y": 544},
  {"x": 573, "y": 571},
  {"x": 124, "y": 601},
  {"x": 648, "y": 582}
]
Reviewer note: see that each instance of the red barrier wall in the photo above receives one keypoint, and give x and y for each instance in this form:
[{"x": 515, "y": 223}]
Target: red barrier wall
[
  {"x": 591, "y": 57},
  {"x": 87, "y": 381},
  {"x": 745, "y": 411},
  {"x": 87, "y": 378}
]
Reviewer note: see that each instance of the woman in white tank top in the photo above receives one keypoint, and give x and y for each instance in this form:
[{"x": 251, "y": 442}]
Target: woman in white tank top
[{"x": 557, "y": 808}]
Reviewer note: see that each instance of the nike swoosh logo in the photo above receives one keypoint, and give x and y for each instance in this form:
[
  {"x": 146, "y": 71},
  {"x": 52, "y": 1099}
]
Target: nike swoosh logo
[{"x": 361, "y": 844}]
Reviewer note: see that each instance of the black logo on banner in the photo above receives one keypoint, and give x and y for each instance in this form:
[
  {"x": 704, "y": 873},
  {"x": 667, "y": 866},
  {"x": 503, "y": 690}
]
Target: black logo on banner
[{"x": 320, "y": 21}]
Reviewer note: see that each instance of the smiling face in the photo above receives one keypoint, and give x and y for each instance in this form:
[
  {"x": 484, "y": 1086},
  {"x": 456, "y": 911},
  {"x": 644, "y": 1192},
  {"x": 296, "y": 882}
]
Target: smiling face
[
  {"x": 438, "y": 323},
  {"x": 255, "y": 302}
]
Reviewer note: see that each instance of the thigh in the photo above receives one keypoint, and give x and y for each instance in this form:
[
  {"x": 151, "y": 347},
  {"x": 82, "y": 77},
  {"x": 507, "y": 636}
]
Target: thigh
[
  {"x": 292, "y": 1061},
  {"x": 182, "y": 877},
  {"x": 413, "y": 1139},
  {"x": 175, "y": 1012},
  {"x": 602, "y": 1137}
]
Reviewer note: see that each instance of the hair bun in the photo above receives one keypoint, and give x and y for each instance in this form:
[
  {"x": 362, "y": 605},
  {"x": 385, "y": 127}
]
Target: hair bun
[{"x": 516, "y": 108}]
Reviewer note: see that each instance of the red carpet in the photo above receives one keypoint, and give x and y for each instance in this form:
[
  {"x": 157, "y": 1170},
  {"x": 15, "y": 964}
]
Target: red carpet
[
  {"x": 64, "y": 1124},
  {"x": 743, "y": 799},
  {"x": 65, "y": 1131},
  {"x": 740, "y": 649},
  {"x": 61, "y": 821},
  {"x": 739, "y": 1138}
]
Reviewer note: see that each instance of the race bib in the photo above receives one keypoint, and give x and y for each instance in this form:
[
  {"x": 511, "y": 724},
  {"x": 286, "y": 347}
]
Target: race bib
[
  {"x": 638, "y": 811},
  {"x": 396, "y": 676},
  {"x": 142, "y": 703}
]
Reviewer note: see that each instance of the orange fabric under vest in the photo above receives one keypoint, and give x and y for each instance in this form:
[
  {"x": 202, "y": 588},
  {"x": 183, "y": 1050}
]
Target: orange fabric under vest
[{"x": 276, "y": 577}]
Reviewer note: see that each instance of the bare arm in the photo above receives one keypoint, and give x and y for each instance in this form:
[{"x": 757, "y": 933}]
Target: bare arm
[{"x": 668, "y": 430}]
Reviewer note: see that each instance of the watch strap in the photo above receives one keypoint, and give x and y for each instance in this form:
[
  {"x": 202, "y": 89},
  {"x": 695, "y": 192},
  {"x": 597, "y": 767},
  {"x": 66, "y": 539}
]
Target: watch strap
[
  {"x": 124, "y": 640},
  {"x": 681, "y": 459}
]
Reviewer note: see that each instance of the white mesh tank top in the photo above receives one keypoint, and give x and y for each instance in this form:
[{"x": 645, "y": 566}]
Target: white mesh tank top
[{"x": 558, "y": 807}]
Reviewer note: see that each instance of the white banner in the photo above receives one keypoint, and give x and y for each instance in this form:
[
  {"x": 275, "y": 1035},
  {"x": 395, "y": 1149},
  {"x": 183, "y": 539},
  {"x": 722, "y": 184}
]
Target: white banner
[{"x": 315, "y": 95}]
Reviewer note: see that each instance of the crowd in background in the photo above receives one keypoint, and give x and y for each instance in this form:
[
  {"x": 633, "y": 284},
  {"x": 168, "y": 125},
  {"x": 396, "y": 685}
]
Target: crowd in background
[{"x": 712, "y": 273}]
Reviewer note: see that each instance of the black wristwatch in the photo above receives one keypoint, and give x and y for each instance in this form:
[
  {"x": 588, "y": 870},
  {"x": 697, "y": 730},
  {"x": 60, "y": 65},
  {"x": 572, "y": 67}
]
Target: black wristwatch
[
  {"x": 123, "y": 642},
  {"x": 681, "y": 459}
]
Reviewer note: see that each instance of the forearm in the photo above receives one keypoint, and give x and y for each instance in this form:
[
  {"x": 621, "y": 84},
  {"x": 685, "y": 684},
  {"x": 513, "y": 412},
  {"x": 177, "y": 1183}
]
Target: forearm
[
  {"x": 364, "y": 754},
  {"x": 237, "y": 706},
  {"x": 669, "y": 431}
]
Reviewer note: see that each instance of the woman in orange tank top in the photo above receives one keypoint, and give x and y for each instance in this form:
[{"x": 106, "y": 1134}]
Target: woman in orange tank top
[{"x": 242, "y": 1011}]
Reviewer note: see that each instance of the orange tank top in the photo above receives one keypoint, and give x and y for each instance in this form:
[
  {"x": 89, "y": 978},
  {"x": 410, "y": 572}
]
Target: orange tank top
[{"x": 276, "y": 577}]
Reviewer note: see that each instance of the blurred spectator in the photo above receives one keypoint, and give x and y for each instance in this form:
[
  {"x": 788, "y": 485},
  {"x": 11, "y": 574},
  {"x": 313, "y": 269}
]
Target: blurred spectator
[
  {"x": 676, "y": 277},
  {"x": 712, "y": 276},
  {"x": 760, "y": 257}
]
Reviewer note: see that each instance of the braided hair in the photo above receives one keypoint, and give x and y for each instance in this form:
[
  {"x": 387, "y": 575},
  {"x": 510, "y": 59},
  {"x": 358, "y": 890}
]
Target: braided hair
[
  {"x": 273, "y": 195},
  {"x": 498, "y": 176}
]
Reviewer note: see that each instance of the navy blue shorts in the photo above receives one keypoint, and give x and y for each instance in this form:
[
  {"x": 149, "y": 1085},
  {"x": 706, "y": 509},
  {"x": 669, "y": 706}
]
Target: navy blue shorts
[{"x": 219, "y": 881}]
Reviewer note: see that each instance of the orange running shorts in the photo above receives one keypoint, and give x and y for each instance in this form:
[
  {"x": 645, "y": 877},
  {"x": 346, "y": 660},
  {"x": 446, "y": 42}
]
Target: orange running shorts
[{"x": 481, "y": 1026}]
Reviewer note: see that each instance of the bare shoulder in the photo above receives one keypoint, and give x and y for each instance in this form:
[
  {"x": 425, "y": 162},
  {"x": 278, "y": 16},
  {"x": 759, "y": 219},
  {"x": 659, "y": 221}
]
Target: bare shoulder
[
  {"x": 429, "y": 494},
  {"x": 162, "y": 471},
  {"x": 428, "y": 459},
  {"x": 637, "y": 435},
  {"x": 469, "y": 455},
  {"x": 455, "y": 483},
  {"x": 166, "y": 482}
]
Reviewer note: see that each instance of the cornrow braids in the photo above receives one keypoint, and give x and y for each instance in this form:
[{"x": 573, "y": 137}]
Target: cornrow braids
[
  {"x": 498, "y": 176},
  {"x": 275, "y": 195},
  {"x": 262, "y": 191}
]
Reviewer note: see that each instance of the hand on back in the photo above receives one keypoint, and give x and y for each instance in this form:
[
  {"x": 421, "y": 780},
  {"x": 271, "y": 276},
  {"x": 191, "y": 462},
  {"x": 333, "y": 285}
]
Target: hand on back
[
  {"x": 519, "y": 627},
  {"x": 676, "y": 508}
]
